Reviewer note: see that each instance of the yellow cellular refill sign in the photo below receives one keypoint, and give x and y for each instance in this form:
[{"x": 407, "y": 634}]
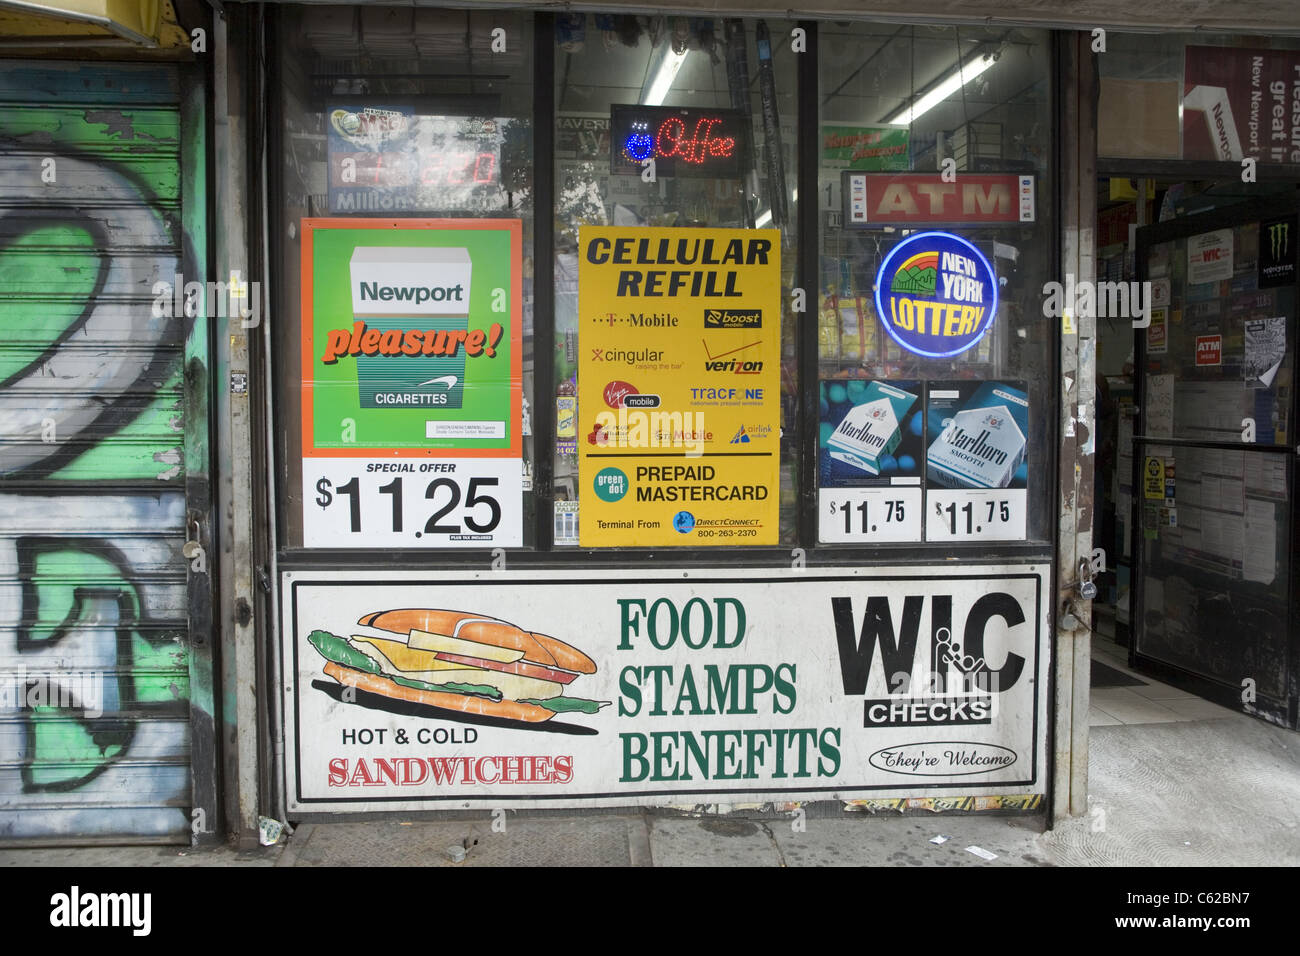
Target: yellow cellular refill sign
[{"x": 679, "y": 399}]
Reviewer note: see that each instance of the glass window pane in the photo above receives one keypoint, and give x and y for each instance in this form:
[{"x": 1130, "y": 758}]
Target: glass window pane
[
  {"x": 710, "y": 67},
  {"x": 934, "y": 128},
  {"x": 407, "y": 113}
]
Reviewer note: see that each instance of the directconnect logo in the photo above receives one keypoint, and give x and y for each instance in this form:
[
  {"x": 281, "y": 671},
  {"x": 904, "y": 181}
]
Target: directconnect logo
[{"x": 936, "y": 294}]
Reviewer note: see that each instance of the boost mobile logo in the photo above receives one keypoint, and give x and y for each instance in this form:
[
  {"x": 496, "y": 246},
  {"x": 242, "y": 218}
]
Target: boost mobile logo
[{"x": 1279, "y": 239}]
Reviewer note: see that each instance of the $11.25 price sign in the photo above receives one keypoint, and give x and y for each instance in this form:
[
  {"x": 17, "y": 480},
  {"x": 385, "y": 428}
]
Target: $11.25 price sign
[
  {"x": 975, "y": 514},
  {"x": 447, "y": 503},
  {"x": 868, "y": 514}
]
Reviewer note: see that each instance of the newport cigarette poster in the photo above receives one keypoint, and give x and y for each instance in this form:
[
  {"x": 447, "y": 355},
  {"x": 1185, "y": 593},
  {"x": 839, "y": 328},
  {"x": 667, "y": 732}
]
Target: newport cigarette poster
[
  {"x": 411, "y": 382},
  {"x": 679, "y": 386}
]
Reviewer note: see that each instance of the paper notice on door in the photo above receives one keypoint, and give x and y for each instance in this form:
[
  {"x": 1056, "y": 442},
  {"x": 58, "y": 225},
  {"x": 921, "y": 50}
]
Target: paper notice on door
[
  {"x": 1265, "y": 476},
  {"x": 1209, "y": 257},
  {"x": 1160, "y": 405},
  {"x": 1260, "y": 560},
  {"x": 1265, "y": 350}
]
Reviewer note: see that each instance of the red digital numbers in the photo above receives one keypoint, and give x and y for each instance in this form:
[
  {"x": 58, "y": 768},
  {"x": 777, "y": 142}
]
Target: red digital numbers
[
  {"x": 398, "y": 170},
  {"x": 457, "y": 169}
]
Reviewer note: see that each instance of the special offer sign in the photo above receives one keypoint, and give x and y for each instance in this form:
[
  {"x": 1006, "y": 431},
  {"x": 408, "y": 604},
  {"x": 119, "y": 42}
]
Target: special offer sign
[
  {"x": 679, "y": 398},
  {"x": 482, "y": 689},
  {"x": 411, "y": 383}
]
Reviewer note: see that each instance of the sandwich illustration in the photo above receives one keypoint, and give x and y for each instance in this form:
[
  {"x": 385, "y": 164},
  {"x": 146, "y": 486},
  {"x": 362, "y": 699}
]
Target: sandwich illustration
[{"x": 459, "y": 661}]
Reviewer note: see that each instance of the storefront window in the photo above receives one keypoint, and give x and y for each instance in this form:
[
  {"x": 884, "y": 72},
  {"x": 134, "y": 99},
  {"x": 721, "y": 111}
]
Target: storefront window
[
  {"x": 392, "y": 117},
  {"x": 1208, "y": 97},
  {"x": 691, "y": 125},
  {"x": 936, "y": 241}
]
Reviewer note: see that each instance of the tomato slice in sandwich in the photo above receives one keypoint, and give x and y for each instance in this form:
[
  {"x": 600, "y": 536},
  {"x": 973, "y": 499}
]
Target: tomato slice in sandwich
[{"x": 522, "y": 668}]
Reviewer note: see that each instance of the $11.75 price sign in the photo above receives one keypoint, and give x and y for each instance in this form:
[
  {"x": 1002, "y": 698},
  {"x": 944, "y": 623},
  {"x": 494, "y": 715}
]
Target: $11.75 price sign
[
  {"x": 975, "y": 514},
  {"x": 447, "y": 503},
  {"x": 868, "y": 514}
]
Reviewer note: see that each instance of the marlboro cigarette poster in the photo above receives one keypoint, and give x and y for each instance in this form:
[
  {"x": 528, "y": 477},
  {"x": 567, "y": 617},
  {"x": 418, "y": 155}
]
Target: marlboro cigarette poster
[
  {"x": 411, "y": 382},
  {"x": 871, "y": 458},
  {"x": 977, "y": 460},
  {"x": 679, "y": 409}
]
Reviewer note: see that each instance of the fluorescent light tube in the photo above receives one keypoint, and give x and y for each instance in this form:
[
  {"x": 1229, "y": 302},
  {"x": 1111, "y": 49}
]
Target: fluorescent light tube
[
  {"x": 657, "y": 91},
  {"x": 949, "y": 85}
]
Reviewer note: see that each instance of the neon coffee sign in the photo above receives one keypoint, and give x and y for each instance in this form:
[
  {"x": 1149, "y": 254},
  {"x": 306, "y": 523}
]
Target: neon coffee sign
[{"x": 682, "y": 142}]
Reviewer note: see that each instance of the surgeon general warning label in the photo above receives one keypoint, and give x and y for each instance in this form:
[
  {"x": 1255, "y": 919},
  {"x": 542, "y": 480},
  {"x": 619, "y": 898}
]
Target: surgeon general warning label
[{"x": 678, "y": 388}]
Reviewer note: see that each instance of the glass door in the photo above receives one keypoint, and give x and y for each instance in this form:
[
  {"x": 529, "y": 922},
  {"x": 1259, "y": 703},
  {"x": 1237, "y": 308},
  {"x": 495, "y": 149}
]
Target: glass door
[{"x": 1214, "y": 456}]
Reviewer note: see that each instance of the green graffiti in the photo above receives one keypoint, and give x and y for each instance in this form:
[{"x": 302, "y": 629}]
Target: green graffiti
[
  {"x": 56, "y": 263},
  {"x": 74, "y": 593},
  {"x": 148, "y": 446},
  {"x": 59, "y": 748}
]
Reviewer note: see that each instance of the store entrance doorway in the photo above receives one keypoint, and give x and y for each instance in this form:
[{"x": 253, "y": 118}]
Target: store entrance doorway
[{"x": 1196, "y": 447}]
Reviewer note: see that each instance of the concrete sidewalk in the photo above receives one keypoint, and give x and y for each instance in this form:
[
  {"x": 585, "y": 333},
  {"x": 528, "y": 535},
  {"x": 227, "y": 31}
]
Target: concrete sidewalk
[{"x": 1222, "y": 792}]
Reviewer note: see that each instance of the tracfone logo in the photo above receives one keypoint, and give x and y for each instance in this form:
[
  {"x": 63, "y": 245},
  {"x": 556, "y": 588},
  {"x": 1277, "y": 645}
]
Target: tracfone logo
[{"x": 75, "y": 909}]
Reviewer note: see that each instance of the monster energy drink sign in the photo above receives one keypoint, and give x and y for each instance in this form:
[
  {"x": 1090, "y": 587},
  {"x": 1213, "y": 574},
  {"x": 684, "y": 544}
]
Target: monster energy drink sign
[{"x": 1277, "y": 252}]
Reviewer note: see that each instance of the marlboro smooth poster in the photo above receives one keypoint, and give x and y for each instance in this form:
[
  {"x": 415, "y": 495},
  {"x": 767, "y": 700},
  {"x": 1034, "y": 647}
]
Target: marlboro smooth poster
[{"x": 1240, "y": 103}]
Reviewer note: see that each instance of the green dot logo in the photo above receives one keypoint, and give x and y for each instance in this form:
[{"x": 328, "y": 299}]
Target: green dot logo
[{"x": 610, "y": 484}]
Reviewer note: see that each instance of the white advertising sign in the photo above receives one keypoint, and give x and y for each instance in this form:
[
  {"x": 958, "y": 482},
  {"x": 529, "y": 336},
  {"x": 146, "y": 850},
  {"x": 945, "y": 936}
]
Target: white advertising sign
[
  {"x": 976, "y": 514},
  {"x": 868, "y": 515},
  {"x": 1209, "y": 256},
  {"x": 406, "y": 503},
  {"x": 412, "y": 690}
]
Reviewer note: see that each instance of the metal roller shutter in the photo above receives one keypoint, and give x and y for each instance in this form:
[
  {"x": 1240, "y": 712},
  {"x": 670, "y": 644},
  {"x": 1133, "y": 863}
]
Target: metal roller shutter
[{"x": 94, "y": 649}]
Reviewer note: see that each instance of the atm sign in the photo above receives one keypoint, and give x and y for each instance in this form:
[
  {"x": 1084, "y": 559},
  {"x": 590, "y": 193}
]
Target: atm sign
[
  {"x": 880, "y": 199},
  {"x": 1209, "y": 350}
]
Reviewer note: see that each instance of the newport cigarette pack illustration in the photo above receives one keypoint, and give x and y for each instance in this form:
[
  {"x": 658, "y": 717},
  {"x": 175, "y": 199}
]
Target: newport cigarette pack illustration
[
  {"x": 393, "y": 285},
  {"x": 978, "y": 435},
  {"x": 412, "y": 337}
]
